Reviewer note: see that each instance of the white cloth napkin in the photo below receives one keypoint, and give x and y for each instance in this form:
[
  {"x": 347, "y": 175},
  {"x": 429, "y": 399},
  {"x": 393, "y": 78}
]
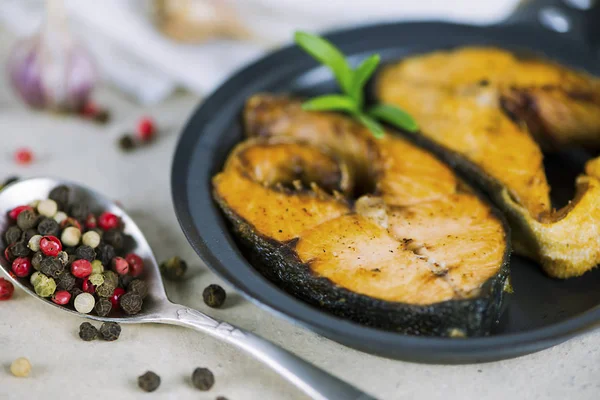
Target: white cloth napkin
[{"x": 138, "y": 59}]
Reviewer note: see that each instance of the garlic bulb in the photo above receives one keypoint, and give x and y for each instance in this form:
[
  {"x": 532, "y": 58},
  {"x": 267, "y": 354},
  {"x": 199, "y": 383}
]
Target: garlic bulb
[{"x": 50, "y": 69}]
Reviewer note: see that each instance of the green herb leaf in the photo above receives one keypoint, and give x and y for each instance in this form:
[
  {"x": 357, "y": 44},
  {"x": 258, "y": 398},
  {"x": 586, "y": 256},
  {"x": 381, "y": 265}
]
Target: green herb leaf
[
  {"x": 361, "y": 75},
  {"x": 327, "y": 54},
  {"x": 374, "y": 126},
  {"x": 332, "y": 102},
  {"x": 394, "y": 116}
]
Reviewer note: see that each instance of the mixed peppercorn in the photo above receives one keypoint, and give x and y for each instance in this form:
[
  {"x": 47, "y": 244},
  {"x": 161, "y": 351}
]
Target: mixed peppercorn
[{"x": 74, "y": 257}]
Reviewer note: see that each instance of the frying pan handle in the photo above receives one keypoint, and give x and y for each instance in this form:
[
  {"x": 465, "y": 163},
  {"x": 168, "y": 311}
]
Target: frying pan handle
[{"x": 578, "y": 18}]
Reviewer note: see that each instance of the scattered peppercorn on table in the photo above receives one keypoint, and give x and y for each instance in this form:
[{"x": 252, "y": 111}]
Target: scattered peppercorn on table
[{"x": 64, "y": 366}]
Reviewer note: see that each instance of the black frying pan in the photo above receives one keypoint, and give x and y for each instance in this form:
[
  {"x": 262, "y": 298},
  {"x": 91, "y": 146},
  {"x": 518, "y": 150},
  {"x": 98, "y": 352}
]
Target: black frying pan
[{"x": 541, "y": 313}]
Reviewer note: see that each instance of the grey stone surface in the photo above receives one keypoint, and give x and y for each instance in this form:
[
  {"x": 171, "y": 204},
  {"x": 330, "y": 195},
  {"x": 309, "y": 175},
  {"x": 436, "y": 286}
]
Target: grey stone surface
[{"x": 67, "y": 368}]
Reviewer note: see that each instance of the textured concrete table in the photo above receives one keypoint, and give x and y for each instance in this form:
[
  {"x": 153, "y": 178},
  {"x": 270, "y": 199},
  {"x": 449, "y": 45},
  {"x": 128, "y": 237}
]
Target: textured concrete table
[{"x": 67, "y": 368}]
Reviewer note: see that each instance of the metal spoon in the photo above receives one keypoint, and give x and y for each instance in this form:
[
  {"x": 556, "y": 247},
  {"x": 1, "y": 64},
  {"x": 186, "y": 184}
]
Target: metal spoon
[{"x": 315, "y": 382}]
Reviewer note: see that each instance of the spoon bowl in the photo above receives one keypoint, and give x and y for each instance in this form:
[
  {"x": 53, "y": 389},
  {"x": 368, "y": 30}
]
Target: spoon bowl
[{"x": 157, "y": 308}]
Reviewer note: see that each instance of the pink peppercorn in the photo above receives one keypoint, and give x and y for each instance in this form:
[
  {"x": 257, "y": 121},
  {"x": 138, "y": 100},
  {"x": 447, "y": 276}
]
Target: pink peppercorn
[
  {"x": 91, "y": 222},
  {"x": 81, "y": 268},
  {"x": 21, "y": 267},
  {"x": 6, "y": 252},
  {"x": 120, "y": 266},
  {"x": 50, "y": 246},
  {"x": 14, "y": 213},
  {"x": 136, "y": 264},
  {"x": 108, "y": 221},
  {"x": 116, "y": 296},
  {"x": 88, "y": 287},
  {"x": 146, "y": 129},
  {"x": 23, "y": 156},
  {"x": 61, "y": 297},
  {"x": 6, "y": 289}
]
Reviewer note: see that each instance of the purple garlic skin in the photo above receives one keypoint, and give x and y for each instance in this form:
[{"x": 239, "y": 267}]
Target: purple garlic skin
[{"x": 51, "y": 71}]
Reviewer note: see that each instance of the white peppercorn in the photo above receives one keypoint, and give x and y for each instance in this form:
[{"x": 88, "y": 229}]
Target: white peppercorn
[
  {"x": 47, "y": 208},
  {"x": 21, "y": 367},
  {"x": 91, "y": 239},
  {"x": 70, "y": 236},
  {"x": 34, "y": 243},
  {"x": 60, "y": 216},
  {"x": 84, "y": 303}
]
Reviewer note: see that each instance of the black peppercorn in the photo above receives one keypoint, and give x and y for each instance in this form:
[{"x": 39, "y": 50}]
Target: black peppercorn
[
  {"x": 174, "y": 268},
  {"x": 85, "y": 253},
  {"x": 12, "y": 235},
  {"x": 105, "y": 253},
  {"x": 138, "y": 286},
  {"x": 110, "y": 331},
  {"x": 36, "y": 260},
  {"x": 103, "y": 307},
  {"x": 52, "y": 267},
  {"x": 112, "y": 278},
  {"x": 60, "y": 195},
  {"x": 203, "y": 379},
  {"x": 125, "y": 280},
  {"x": 126, "y": 143},
  {"x": 8, "y": 181},
  {"x": 48, "y": 227},
  {"x": 27, "y": 219},
  {"x": 131, "y": 303},
  {"x": 28, "y": 234},
  {"x": 221, "y": 398},
  {"x": 87, "y": 332},
  {"x": 102, "y": 117},
  {"x": 66, "y": 281},
  {"x": 79, "y": 211},
  {"x": 149, "y": 382},
  {"x": 214, "y": 296},
  {"x": 20, "y": 249},
  {"x": 114, "y": 238}
]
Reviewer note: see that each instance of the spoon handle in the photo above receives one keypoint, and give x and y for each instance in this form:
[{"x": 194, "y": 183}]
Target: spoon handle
[{"x": 315, "y": 382}]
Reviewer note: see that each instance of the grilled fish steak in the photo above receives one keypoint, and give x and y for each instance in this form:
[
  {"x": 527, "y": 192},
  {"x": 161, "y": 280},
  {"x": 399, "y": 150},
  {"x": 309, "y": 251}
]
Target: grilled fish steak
[
  {"x": 377, "y": 231},
  {"x": 477, "y": 108}
]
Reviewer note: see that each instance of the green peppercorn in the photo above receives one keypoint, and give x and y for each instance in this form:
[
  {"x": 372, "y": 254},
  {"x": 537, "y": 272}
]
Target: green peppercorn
[
  {"x": 97, "y": 267},
  {"x": 131, "y": 303},
  {"x": 45, "y": 286},
  {"x": 105, "y": 253},
  {"x": 110, "y": 331},
  {"x": 112, "y": 278},
  {"x": 96, "y": 279},
  {"x": 138, "y": 286},
  {"x": 149, "y": 382},
  {"x": 60, "y": 195},
  {"x": 105, "y": 290},
  {"x": 52, "y": 267},
  {"x": 34, "y": 278},
  {"x": 66, "y": 281},
  {"x": 87, "y": 332},
  {"x": 27, "y": 219},
  {"x": 203, "y": 379},
  {"x": 103, "y": 307},
  {"x": 113, "y": 237},
  {"x": 48, "y": 227},
  {"x": 126, "y": 143},
  {"x": 85, "y": 253},
  {"x": 36, "y": 260},
  {"x": 174, "y": 268},
  {"x": 12, "y": 235},
  {"x": 214, "y": 296},
  {"x": 79, "y": 211}
]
